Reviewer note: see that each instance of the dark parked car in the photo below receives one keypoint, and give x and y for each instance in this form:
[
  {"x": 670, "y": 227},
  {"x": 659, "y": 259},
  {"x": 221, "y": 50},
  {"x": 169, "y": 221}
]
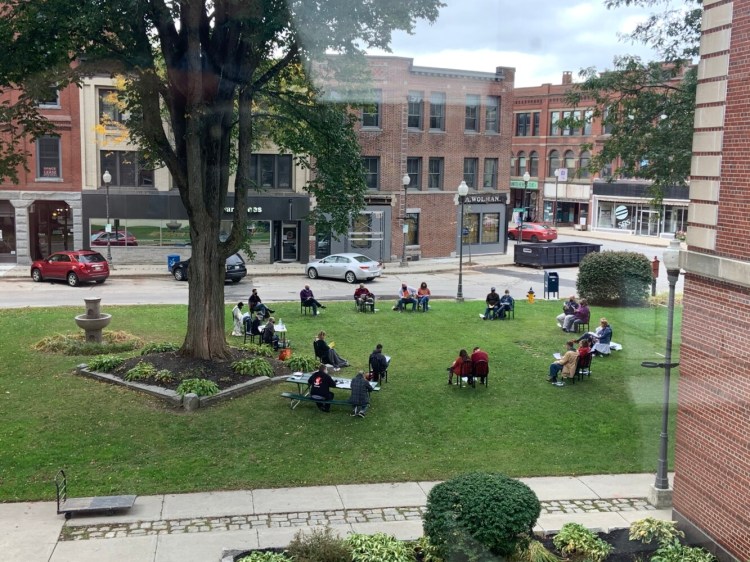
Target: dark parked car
[
  {"x": 235, "y": 269},
  {"x": 71, "y": 266}
]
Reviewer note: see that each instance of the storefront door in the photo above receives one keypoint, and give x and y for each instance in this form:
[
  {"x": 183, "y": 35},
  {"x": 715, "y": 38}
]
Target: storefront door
[
  {"x": 648, "y": 225},
  {"x": 289, "y": 242}
]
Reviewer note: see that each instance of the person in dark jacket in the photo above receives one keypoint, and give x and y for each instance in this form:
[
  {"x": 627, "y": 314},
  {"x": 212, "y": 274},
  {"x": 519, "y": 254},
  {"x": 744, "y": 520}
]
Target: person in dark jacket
[
  {"x": 252, "y": 324},
  {"x": 378, "y": 363},
  {"x": 327, "y": 354},
  {"x": 360, "y": 398},
  {"x": 321, "y": 384},
  {"x": 493, "y": 302},
  {"x": 269, "y": 334},
  {"x": 256, "y": 305}
]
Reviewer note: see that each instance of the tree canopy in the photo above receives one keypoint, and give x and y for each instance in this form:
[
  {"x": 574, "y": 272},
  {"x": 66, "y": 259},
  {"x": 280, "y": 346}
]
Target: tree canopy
[
  {"x": 647, "y": 108},
  {"x": 207, "y": 81}
]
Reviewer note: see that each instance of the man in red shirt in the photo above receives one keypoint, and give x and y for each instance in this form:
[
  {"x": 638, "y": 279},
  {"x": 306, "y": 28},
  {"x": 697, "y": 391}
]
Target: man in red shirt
[{"x": 480, "y": 356}]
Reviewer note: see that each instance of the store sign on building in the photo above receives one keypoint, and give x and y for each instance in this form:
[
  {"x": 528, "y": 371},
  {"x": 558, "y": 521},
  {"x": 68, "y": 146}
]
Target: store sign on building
[
  {"x": 485, "y": 198},
  {"x": 250, "y": 210},
  {"x": 519, "y": 184}
]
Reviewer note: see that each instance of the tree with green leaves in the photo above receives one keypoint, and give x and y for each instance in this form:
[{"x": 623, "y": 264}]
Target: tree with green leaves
[
  {"x": 647, "y": 107},
  {"x": 207, "y": 82}
]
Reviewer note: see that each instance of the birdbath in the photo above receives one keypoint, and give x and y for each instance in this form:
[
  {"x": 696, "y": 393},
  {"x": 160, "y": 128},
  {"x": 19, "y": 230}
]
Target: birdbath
[{"x": 93, "y": 322}]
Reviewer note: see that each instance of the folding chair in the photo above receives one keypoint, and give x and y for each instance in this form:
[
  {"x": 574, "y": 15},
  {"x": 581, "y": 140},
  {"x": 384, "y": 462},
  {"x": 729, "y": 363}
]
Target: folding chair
[
  {"x": 467, "y": 370},
  {"x": 583, "y": 367},
  {"x": 481, "y": 371},
  {"x": 303, "y": 308}
]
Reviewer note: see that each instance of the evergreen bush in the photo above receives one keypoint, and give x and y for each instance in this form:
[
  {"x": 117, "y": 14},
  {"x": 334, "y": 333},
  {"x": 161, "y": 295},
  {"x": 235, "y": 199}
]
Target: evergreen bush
[
  {"x": 480, "y": 516},
  {"x": 614, "y": 278}
]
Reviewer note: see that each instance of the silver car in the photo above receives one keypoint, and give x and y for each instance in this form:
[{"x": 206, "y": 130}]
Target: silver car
[{"x": 350, "y": 267}]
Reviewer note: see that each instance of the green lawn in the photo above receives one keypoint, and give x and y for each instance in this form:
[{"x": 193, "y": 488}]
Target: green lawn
[{"x": 112, "y": 440}]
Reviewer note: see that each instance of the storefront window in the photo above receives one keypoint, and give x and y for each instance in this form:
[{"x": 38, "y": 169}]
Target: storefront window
[
  {"x": 490, "y": 228},
  {"x": 471, "y": 228},
  {"x": 7, "y": 230},
  {"x": 616, "y": 215}
]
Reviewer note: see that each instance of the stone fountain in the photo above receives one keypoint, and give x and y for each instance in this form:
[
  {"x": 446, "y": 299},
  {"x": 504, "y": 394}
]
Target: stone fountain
[{"x": 93, "y": 322}]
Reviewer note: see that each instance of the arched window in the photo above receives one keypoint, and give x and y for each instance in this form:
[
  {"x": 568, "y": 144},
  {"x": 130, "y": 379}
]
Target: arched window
[
  {"x": 533, "y": 164},
  {"x": 570, "y": 162},
  {"x": 583, "y": 164},
  {"x": 554, "y": 162},
  {"x": 521, "y": 163}
]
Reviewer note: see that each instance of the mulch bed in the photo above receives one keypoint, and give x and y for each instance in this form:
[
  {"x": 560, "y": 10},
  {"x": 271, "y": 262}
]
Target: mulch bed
[{"x": 182, "y": 367}]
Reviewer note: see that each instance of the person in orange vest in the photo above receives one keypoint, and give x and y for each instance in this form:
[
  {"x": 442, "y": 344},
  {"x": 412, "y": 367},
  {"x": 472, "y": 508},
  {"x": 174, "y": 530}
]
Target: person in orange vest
[{"x": 406, "y": 295}]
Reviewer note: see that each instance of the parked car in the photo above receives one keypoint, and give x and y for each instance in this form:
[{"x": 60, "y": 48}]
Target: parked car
[
  {"x": 533, "y": 232},
  {"x": 350, "y": 267},
  {"x": 235, "y": 269},
  {"x": 71, "y": 266},
  {"x": 119, "y": 238}
]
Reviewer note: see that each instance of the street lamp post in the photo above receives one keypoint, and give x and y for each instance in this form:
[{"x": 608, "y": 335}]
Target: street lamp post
[
  {"x": 526, "y": 178},
  {"x": 662, "y": 496},
  {"x": 406, "y": 180},
  {"x": 463, "y": 190},
  {"x": 107, "y": 179}
]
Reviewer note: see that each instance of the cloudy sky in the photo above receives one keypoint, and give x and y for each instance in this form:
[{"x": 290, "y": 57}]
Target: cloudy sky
[{"x": 540, "y": 38}]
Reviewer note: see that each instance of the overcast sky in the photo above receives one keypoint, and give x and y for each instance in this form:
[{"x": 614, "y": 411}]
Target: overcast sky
[{"x": 540, "y": 38}]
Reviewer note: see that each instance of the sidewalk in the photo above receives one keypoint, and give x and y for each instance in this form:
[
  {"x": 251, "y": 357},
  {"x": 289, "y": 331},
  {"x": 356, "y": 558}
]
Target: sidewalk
[
  {"x": 204, "y": 527},
  {"x": 429, "y": 265}
]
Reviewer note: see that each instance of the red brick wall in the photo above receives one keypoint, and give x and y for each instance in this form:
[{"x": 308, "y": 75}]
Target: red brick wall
[
  {"x": 68, "y": 124},
  {"x": 395, "y": 77}
]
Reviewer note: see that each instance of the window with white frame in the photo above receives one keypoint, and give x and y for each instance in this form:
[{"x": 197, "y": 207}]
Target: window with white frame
[
  {"x": 471, "y": 119},
  {"x": 371, "y": 110},
  {"x": 492, "y": 114},
  {"x": 50, "y": 99},
  {"x": 415, "y": 110},
  {"x": 437, "y": 111},
  {"x": 371, "y": 164},
  {"x": 48, "y": 159}
]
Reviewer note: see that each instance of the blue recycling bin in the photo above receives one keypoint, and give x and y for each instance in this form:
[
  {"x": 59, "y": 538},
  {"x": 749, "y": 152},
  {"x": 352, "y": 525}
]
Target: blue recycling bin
[{"x": 171, "y": 260}]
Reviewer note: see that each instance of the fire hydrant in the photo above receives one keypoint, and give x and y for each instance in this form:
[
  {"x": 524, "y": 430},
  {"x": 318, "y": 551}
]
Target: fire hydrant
[{"x": 530, "y": 295}]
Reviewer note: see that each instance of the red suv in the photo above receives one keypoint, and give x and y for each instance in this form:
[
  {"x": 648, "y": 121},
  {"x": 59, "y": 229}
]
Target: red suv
[{"x": 71, "y": 266}]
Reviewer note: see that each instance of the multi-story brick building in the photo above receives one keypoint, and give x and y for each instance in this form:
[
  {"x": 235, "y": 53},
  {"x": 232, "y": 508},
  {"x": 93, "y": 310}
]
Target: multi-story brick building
[
  {"x": 712, "y": 449},
  {"x": 42, "y": 212},
  {"x": 440, "y": 127},
  {"x": 577, "y": 197}
]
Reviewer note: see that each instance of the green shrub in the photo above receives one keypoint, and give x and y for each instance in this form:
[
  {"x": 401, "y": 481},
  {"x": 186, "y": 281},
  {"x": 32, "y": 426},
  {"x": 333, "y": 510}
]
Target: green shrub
[
  {"x": 105, "y": 363},
  {"x": 425, "y": 551},
  {"x": 304, "y": 363},
  {"x": 650, "y": 529},
  {"x": 258, "y": 349},
  {"x": 159, "y": 347},
  {"x": 676, "y": 552},
  {"x": 264, "y": 557},
  {"x": 480, "y": 515},
  {"x": 76, "y": 344},
  {"x": 533, "y": 551},
  {"x": 577, "y": 541},
  {"x": 614, "y": 278},
  {"x": 253, "y": 367},
  {"x": 378, "y": 548},
  {"x": 164, "y": 375},
  {"x": 318, "y": 545},
  {"x": 142, "y": 370},
  {"x": 201, "y": 387}
]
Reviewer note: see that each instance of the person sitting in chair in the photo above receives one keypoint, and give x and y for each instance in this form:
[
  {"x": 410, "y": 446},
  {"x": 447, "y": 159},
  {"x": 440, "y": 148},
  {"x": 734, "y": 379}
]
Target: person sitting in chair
[
  {"x": 252, "y": 324},
  {"x": 308, "y": 299},
  {"x": 321, "y": 384},
  {"x": 492, "y": 301},
  {"x": 237, "y": 319},
  {"x": 268, "y": 336},
  {"x": 378, "y": 363},
  {"x": 406, "y": 295},
  {"x": 256, "y": 305},
  {"x": 505, "y": 305},
  {"x": 363, "y": 297},
  {"x": 360, "y": 398},
  {"x": 601, "y": 338},
  {"x": 565, "y": 365},
  {"x": 479, "y": 357},
  {"x": 423, "y": 297},
  {"x": 580, "y": 316},
  {"x": 327, "y": 354},
  {"x": 569, "y": 307},
  {"x": 456, "y": 368}
]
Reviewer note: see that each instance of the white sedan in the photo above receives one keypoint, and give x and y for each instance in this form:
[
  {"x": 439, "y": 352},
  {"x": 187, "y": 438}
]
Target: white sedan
[{"x": 350, "y": 267}]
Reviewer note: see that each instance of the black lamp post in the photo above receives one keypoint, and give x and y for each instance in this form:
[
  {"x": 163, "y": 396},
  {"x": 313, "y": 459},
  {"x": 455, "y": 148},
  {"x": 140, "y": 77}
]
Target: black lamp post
[
  {"x": 671, "y": 260},
  {"x": 107, "y": 179},
  {"x": 405, "y": 181},
  {"x": 526, "y": 178},
  {"x": 463, "y": 190}
]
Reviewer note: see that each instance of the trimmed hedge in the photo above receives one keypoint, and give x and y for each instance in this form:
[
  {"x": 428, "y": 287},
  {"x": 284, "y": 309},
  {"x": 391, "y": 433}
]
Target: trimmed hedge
[
  {"x": 480, "y": 516},
  {"x": 614, "y": 278}
]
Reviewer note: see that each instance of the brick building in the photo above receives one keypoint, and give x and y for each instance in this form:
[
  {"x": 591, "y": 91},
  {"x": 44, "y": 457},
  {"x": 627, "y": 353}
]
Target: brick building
[
  {"x": 42, "y": 212},
  {"x": 440, "y": 127},
  {"x": 712, "y": 449}
]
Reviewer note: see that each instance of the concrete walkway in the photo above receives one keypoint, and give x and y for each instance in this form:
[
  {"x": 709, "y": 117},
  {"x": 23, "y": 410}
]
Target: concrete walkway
[
  {"x": 206, "y": 527},
  {"x": 13, "y": 271}
]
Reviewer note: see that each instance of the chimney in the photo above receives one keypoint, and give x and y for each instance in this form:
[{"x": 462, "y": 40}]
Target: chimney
[{"x": 567, "y": 77}]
